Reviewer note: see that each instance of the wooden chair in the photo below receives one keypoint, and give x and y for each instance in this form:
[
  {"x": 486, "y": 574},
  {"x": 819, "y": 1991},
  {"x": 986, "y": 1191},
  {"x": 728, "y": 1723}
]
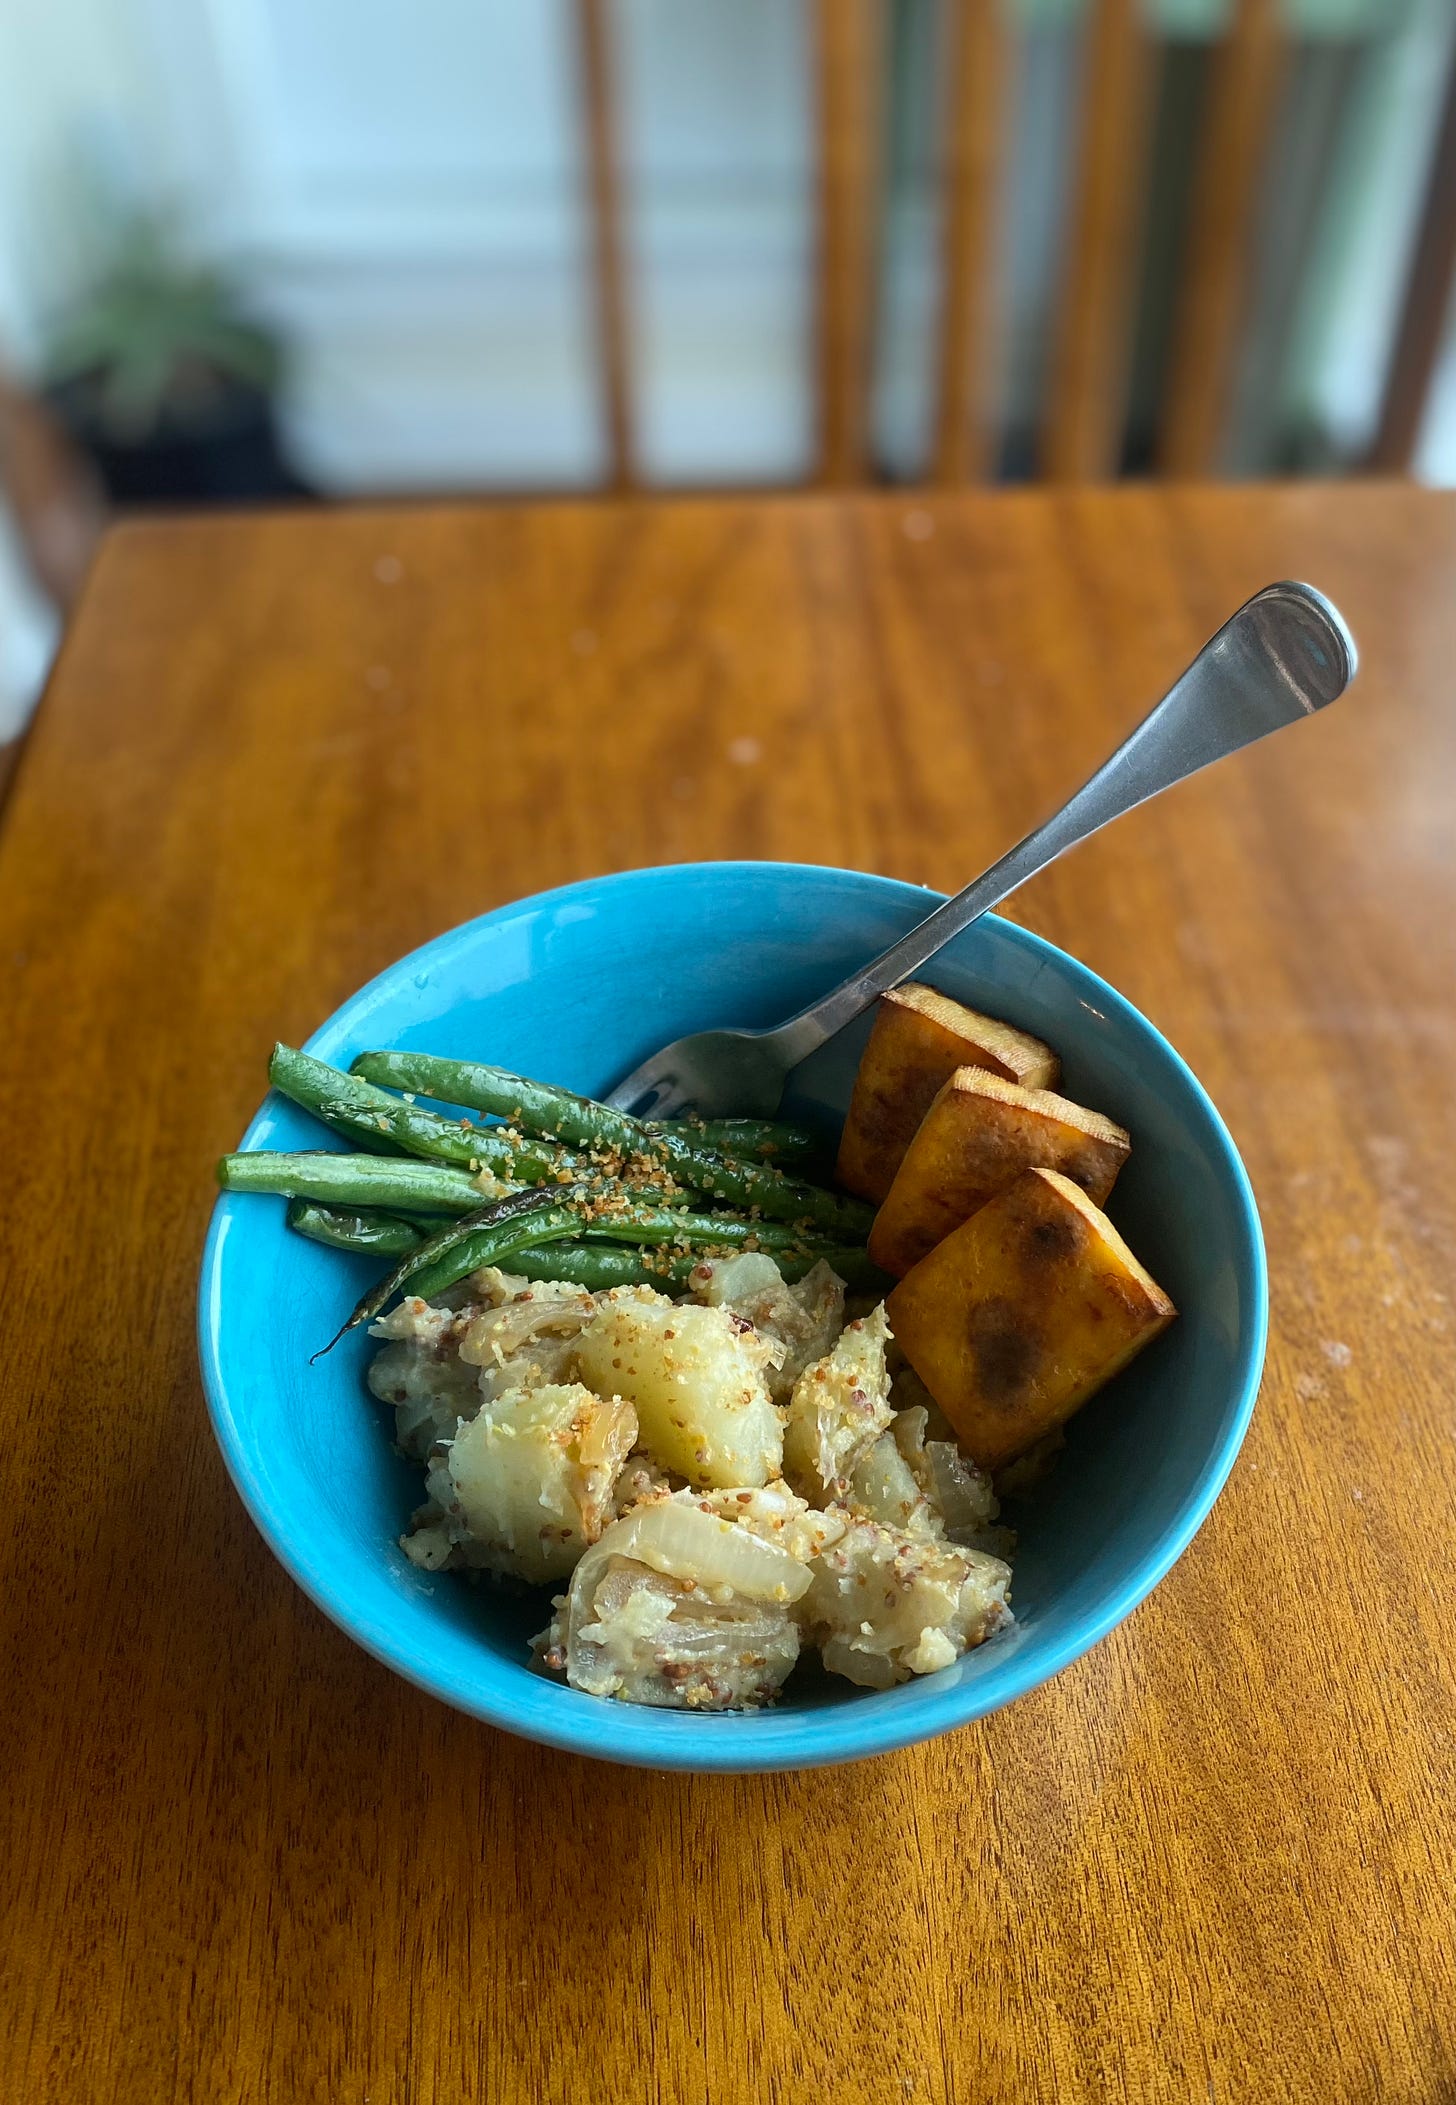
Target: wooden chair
[
  {"x": 54, "y": 503},
  {"x": 51, "y": 493},
  {"x": 1083, "y": 418}
]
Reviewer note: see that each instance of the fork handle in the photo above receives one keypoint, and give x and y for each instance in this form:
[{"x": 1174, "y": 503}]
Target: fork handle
[{"x": 1283, "y": 655}]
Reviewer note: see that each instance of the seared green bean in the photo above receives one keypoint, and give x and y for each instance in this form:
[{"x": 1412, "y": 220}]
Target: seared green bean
[
  {"x": 489, "y": 1236},
  {"x": 649, "y": 1224},
  {"x": 374, "y": 1119},
  {"x": 370, "y": 1234},
  {"x": 587, "y": 1261},
  {"x": 592, "y": 1266},
  {"x": 536, "y": 1107},
  {"x": 367, "y": 1115},
  {"x": 557, "y": 1114},
  {"x": 390, "y": 1182},
  {"x": 589, "y": 1265},
  {"x": 852, "y": 1265},
  {"x": 771, "y": 1138},
  {"x": 632, "y": 1224},
  {"x": 757, "y": 1188}
]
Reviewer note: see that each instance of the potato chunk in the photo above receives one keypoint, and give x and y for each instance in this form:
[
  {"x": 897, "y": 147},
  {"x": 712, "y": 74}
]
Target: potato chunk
[
  {"x": 883, "y": 1605},
  {"x": 804, "y": 1319},
  {"x": 696, "y": 1378},
  {"x": 961, "y": 1496},
  {"x": 977, "y": 1137},
  {"x": 840, "y": 1408},
  {"x": 884, "y": 1487},
  {"x": 839, "y": 1443},
  {"x": 919, "y": 1039},
  {"x": 1023, "y": 1313},
  {"x": 531, "y": 1478}
]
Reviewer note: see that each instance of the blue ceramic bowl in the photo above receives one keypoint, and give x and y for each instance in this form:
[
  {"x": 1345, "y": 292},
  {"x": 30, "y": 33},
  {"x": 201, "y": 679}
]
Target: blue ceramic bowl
[{"x": 576, "y": 986}]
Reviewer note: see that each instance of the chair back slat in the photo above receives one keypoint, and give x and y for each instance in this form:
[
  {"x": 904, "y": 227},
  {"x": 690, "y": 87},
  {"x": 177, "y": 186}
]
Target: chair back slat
[
  {"x": 1095, "y": 305},
  {"x": 1243, "y": 98},
  {"x": 1426, "y": 309},
  {"x": 1082, "y": 432},
  {"x": 604, "y": 217},
  {"x": 849, "y": 54},
  {"x": 978, "y": 79}
]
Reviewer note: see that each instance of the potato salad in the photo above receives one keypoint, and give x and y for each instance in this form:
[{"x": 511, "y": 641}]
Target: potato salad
[{"x": 720, "y": 1483}]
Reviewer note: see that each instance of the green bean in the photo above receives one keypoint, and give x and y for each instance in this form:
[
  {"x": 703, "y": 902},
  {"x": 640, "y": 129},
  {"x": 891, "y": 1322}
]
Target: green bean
[
  {"x": 755, "y": 1187},
  {"x": 557, "y": 1114},
  {"x": 553, "y": 1114},
  {"x": 639, "y": 1225},
  {"x": 589, "y": 1265},
  {"x": 372, "y": 1234},
  {"x": 771, "y": 1138},
  {"x": 366, "y": 1115},
  {"x": 852, "y": 1265},
  {"x": 592, "y": 1266},
  {"x": 489, "y": 1236},
  {"x": 586, "y": 1262},
  {"x": 374, "y": 1119},
  {"x": 397, "y": 1185},
  {"x": 353, "y": 1180},
  {"x": 647, "y": 1224}
]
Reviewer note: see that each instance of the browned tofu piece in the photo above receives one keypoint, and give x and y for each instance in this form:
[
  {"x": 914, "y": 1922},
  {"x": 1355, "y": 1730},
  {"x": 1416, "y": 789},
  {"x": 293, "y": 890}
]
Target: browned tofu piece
[
  {"x": 976, "y": 1138},
  {"x": 1023, "y": 1313},
  {"x": 919, "y": 1040}
]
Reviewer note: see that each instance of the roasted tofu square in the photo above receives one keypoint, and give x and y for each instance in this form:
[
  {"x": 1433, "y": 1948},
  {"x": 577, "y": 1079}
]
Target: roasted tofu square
[
  {"x": 918, "y": 1041},
  {"x": 1023, "y": 1313},
  {"x": 978, "y": 1136}
]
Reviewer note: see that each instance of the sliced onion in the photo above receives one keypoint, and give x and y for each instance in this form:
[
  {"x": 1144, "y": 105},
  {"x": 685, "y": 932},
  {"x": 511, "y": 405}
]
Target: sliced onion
[
  {"x": 505, "y": 1330},
  {"x": 686, "y": 1543}
]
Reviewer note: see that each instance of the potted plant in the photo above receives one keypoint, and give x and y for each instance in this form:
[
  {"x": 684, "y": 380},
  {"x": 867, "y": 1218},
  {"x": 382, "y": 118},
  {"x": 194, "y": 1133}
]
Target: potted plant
[{"x": 168, "y": 383}]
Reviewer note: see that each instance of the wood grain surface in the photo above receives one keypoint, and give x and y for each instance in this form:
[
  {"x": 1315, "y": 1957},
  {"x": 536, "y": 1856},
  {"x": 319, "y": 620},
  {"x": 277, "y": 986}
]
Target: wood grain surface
[{"x": 1214, "y": 1859}]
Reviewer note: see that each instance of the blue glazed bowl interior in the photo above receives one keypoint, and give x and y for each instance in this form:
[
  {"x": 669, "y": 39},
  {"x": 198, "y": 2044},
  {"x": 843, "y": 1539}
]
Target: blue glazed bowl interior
[{"x": 575, "y": 987}]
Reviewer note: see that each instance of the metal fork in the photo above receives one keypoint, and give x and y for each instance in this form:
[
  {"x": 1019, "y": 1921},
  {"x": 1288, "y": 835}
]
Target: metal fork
[{"x": 1286, "y": 653}]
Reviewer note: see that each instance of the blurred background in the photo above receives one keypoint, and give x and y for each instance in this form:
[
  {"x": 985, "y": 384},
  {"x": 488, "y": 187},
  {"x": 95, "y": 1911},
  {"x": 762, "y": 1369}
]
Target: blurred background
[{"x": 308, "y": 250}]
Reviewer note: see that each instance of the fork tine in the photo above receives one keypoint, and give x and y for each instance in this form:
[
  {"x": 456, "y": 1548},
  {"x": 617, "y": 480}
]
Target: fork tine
[{"x": 646, "y": 1094}]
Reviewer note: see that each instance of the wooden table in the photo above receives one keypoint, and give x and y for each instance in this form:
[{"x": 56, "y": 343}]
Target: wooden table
[{"x": 1213, "y": 1860}]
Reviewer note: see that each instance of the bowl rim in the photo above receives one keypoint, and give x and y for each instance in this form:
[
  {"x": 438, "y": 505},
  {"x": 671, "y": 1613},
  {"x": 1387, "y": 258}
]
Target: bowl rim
[{"x": 719, "y": 1745}]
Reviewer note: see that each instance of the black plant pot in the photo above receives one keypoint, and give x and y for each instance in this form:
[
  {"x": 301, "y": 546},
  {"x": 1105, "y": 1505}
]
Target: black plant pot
[{"x": 228, "y": 455}]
